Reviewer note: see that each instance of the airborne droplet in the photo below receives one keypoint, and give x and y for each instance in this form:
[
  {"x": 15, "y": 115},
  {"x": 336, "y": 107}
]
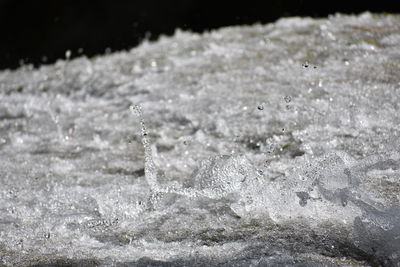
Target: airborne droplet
[{"x": 68, "y": 54}]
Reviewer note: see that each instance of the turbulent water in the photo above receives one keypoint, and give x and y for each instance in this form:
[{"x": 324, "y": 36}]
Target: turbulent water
[{"x": 264, "y": 145}]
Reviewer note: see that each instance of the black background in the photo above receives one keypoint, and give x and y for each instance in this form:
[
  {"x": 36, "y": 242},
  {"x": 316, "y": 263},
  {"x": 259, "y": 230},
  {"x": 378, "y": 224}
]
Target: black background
[{"x": 40, "y": 31}]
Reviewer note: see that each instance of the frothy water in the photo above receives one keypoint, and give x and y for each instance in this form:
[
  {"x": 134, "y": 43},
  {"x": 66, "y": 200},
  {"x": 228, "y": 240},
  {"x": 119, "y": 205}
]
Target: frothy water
[{"x": 263, "y": 145}]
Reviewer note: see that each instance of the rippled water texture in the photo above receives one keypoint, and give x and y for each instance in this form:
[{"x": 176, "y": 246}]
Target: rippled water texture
[{"x": 264, "y": 145}]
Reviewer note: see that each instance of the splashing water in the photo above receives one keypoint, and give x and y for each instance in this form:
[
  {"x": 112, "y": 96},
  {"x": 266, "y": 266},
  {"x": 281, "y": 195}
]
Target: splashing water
[
  {"x": 149, "y": 166},
  {"x": 311, "y": 178}
]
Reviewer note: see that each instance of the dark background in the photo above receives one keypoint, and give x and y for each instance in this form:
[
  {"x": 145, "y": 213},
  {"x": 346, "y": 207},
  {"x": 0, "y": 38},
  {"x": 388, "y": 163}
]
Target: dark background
[{"x": 40, "y": 31}]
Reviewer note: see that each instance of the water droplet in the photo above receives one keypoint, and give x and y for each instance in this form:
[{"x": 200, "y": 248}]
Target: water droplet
[
  {"x": 288, "y": 98},
  {"x": 302, "y": 178},
  {"x": 68, "y": 54},
  {"x": 137, "y": 110}
]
